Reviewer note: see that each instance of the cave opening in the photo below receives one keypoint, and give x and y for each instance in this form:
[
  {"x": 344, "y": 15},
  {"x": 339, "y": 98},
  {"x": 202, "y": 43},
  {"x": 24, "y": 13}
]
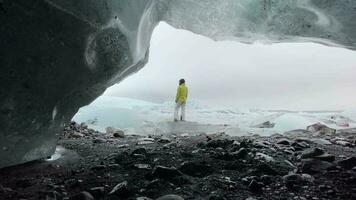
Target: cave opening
[{"x": 290, "y": 84}]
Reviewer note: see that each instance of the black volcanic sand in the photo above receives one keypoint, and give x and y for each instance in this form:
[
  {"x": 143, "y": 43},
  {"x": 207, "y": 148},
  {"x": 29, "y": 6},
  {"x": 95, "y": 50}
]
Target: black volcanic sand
[{"x": 194, "y": 167}]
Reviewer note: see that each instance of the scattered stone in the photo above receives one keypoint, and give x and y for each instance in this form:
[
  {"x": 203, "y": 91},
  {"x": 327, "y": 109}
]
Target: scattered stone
[
  {"x": 121, "y": 190},
  {"x": 326, "y": 157},
  {"x": 321, "y": 141},
  {"x": 343, "y": 143},
  {"x": 264, "y": 157},
  {"x": 240, "y": 154},
  {"x": 308, "y": 178},
  {"x": 315, "y": 166},
  {"x": 223, "y": 143},
  {"x": 170, "y": 197},
  {"x": 99, "y": 140},
  {"x": 311, "y": 153},
  {"x": 299, "y": 146},
  {"x": 77, "y": 135},
  {"x": 123, "y": 146},
  {"x": 260, "y": 145},
  {"x": 83, "y": 196},
  {"x": 143, "y": 198},
  {"x": 284, "y": 141},
  {"x": 255, "y": 186},
  {"x": 166, "y": 172},
  {"x": 143, "y": 166},
  {"x": 98, "y": 167},
  {"x": 146, "y": 139},
  {"x": 348, "y": 163},
  {"x": 144, "y": 142},
  {"x": 97, "y": 192},
  {"x": 197, "y": 169},
  {"x": 141, "y": 151},
  {"x": 293, "y": 180}
]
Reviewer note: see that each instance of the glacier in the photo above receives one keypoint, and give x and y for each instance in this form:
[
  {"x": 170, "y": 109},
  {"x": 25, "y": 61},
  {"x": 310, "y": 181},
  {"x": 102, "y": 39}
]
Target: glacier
[{"x": 59, "y": 55}]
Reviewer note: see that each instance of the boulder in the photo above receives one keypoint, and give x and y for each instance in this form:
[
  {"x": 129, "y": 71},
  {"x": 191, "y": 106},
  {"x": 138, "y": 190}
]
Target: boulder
[
  {"x": 321, "y": 129},
  {"x": 313, "y": 166},
  {"x": 293, "y": 180},
  {"x": 310, "y": 153},
  {"x": 348, "y": 163},
  {"x": 283, "y": 141},
  {"x": 326, "y": 157}
]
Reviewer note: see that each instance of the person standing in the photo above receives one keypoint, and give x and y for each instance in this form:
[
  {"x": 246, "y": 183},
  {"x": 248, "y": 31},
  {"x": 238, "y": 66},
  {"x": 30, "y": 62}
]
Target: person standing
[{"x": 181, "y": 99}]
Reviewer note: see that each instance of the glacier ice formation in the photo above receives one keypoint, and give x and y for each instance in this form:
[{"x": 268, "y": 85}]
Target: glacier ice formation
[{"x": 59, "y": 55}]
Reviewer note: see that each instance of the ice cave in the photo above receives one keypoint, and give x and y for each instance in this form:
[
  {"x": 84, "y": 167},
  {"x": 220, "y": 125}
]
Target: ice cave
[{"x": 59, "y": 55}]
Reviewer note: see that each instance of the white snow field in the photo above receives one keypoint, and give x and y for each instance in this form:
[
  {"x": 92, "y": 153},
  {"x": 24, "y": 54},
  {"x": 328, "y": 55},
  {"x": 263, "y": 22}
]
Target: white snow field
[{"x": 142, "y": 118}]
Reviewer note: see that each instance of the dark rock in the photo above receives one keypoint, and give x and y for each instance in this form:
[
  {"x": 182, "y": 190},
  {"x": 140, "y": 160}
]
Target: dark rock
[
  {"x": 143, "y": 198},
  {"x": 166, "y": 172},
  {"x": 121, "y": 190},
  {"x": 299, "y": 146},
  {"x": 216, "y": 197},
  {"x": 240, "y": 154},
  {"x": 311, "y": 153},
  {"x": 293, "y": 180},
  {"x": 98, "y": 167},
  {"x": 255, "y": 186},
  {"x": 315, "y": 165},
  {"x": 164, "y": 141},
  {"x": 122, "y": 157},
  {"x": 83, "y": 196},
  {"x": 223, "y": 143},
  {"x": 141, "y": 151},
  {"x": 99, "y": 140},
  {"x": 97, "y": 192},
  {"x": 267, "y": 179},
  {"x": 170, "y": 197},
  {"x": 143, "y": 166},
  {"x": 265, "y": 169},
  {"x": 348, "y": 163},
  {"x": 326, "y": 157},
  {"x": 197, "y": 169},
  {"x": 284, "y": 141}
]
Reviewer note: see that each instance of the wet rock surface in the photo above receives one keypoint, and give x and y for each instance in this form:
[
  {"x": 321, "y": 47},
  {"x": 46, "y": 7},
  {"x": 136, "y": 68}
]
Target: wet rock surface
[{"x": 188, "y": 167}]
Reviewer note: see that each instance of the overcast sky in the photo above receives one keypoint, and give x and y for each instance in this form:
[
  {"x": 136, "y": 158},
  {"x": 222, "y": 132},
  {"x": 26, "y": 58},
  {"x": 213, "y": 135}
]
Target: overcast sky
[{"x": 299, "y": 76}]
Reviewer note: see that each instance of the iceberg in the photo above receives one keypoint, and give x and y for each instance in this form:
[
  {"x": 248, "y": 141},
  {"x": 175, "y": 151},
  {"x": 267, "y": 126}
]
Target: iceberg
[{"x": 59, "y": 55}]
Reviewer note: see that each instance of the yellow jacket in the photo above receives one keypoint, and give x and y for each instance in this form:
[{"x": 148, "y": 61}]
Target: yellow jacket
[{"x": 182, "y": 93}]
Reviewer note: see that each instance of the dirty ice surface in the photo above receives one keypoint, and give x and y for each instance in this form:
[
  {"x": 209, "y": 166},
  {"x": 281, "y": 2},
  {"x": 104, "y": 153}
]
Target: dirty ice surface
[{"x": 142, "y": 118}]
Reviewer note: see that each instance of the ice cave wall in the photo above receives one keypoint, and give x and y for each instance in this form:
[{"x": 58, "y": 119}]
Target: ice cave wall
[{"x": 59, "y": 55}]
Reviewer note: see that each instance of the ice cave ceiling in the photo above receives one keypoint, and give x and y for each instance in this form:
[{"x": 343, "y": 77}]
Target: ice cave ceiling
[{"x": 59, "y": 55}]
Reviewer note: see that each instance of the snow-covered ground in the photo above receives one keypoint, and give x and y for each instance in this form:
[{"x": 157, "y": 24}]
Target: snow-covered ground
[{"x": 141, "y": 117}]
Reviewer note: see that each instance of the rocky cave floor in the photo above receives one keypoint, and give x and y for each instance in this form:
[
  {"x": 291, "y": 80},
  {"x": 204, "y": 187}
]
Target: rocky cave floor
[{"x": 297, "y": 165}]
